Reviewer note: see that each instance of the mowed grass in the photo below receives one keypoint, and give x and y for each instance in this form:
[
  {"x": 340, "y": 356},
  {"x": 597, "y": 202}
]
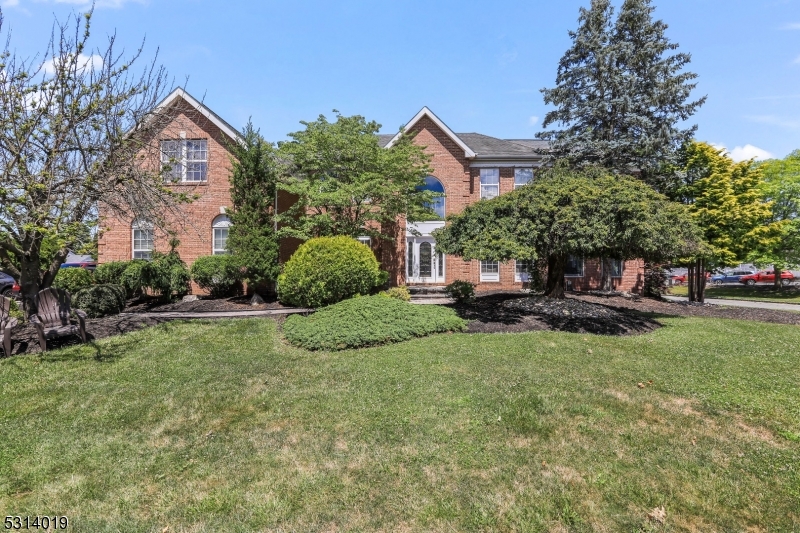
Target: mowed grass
[
  {"x": 762, "y": 293},
  {"x": 223, "y": 427}
]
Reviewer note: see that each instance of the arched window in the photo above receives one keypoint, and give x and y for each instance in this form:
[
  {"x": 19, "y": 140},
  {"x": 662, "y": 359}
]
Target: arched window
[
  {"x": 434, "y": 185},
  {"x": 142, "y": 237},
  {"x": 221, "y": 227}
]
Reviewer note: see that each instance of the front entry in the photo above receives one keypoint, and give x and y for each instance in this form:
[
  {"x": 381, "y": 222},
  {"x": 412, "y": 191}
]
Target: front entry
[{"x": 424, "y": 264}]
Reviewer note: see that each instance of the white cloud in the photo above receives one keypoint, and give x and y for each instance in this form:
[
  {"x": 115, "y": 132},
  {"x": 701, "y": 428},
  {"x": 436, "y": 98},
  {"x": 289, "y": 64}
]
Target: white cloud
[
  {"x": 745, "y": 153},
  {"x": 93, "y": 62},
  {"x": 797, "y": 61},
  {"x": 9, "y": 3},
  {"x": 792, "y": 26},
  {"x": 80, "y": 3},
  {"x": 533, "y": 120}
]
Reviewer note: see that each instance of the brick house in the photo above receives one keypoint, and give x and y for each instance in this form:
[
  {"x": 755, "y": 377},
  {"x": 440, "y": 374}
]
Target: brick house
[{"x": 467, "y": 167}]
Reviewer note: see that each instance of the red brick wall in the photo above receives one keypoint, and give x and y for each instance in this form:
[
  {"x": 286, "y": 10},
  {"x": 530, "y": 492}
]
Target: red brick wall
[{"x": 193, "y": 227}]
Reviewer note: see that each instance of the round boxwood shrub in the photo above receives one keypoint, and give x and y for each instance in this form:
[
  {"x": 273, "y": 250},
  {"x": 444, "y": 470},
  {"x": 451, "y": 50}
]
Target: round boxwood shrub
[
  {"x": 100, "y": 300},
  {"x": 73, "y": 279},
  {"x": 217, "y": 274},
  {"x": 134, "y": 277},
  {"x": 368, "y": 321},
  {"x": 110, "y": 272},
  {"x": 327, "y": 270}
]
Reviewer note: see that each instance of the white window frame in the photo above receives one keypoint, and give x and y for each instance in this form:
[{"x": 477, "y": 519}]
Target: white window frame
[
  {"x": 516, "y": 172},
  {"x": 222, "y": 222},
  {"x": 182, "y": 163},
  {"x": 621, "y": 267},
  {"x": 366, "y": 240},
  {"x": 583, "y": 270},
  {"x": 488, "y": 174},
  {"x": 490, "y": 276},
  {"x": 142, "y": 226},
  {"x": 520, "y": 275}
]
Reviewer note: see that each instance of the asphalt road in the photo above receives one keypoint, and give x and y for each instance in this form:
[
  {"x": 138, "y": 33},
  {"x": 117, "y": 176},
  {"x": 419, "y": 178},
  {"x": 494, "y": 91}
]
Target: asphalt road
[{"x": 742, "y": 303}]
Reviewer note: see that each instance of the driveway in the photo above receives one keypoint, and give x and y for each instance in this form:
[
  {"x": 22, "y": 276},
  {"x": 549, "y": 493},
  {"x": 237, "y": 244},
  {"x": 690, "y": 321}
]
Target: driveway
[{"x": 742, "y": 303}]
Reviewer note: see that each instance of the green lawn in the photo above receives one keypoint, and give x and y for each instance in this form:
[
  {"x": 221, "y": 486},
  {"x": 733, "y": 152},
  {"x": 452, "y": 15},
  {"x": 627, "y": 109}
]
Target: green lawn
[
  {"x": 762, "y": 293},
  {"x": 222, "y": 427}
]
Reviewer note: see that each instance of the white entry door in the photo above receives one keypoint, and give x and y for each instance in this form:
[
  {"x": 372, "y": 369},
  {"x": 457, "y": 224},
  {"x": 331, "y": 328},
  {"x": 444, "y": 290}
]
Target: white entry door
[{"x": 423, "y": 263}]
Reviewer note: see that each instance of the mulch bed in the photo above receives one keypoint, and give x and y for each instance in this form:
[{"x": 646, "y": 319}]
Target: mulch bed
[
  {"x": 602, "y": 315},
  {"x": 202, "y": 305},
  {"x": 492, "y": 313}
]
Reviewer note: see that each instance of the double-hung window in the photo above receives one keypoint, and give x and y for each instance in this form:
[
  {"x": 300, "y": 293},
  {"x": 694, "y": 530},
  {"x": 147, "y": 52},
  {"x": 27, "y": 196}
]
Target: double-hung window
[
  {"x": 185, "y": 160},
  {"x": 142, "y": 240},
  {"x": 490, "y": 271},
  {"x": 522, "y": 271},
  {"x": 522, "y": 176},
  {"x": 490, "y": 183},
  {"x": 221, "y": 228},
  {"x": 616, "y": 268}
]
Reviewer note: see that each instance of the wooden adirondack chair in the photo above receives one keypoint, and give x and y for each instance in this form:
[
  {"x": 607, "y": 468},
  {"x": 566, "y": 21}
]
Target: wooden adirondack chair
[
  {"x": 7, "y": 323},
  {"x": 52, "y": 320}
]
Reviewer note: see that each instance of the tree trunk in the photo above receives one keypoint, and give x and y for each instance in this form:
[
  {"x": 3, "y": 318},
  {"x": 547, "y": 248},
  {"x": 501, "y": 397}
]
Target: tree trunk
[
  {"x": 606, "y": 282},
  {"x": 556, "y": 265},
  {"x": 778, "y": 285},
  {"x": 697, "y": 281},
  {"x": 29, "y": 282}
]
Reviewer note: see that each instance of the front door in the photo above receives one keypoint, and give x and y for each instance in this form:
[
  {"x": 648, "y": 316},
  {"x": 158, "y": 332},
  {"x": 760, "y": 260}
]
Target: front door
[{"x": 424, "y": 264}]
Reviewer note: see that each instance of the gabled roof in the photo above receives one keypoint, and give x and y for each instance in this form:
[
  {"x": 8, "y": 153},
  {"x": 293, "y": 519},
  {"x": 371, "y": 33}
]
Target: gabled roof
[
  {"x": 215, "y": 119},
  {"x": 425, "y": 112}
]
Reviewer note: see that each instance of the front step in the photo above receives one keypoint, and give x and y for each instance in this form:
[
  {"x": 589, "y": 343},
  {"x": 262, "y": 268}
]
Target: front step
[{"x": 426, "y": 291}]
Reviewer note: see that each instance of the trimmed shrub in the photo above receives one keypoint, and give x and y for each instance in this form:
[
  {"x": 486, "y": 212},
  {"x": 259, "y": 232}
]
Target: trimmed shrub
[
  {"x": 218, "y": 274},
  {"x": 100, "y": 300},
  {"x": 73, "y": 279},
  {"x": 655, "y": 281},
  {"x": 369, "y": 321},
  {"x": 134, "y": 277},
  {"x": 398, "y": 293},
  {"x": 110, "y": 272},
  {"x": 167, "y": 275},
  {"x": 327, "y": 270},
  {"x": 461, "y": 291}
]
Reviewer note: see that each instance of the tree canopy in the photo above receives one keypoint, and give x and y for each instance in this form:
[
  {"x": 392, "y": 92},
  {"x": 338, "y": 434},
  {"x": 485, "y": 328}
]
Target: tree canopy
[
  {"x": 74, "y": 126},
  {"x": 346, "y": 183},
  {"x": 621, "y": 94},
  {"x": 582, "y": 213}
]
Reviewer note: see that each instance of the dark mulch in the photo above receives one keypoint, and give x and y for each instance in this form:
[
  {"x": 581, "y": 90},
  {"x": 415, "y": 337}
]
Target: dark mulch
[
  {"x": 203, "y": 305},
  {"x": 603, "y": 315},
  {"x": 510, "y": 313}
]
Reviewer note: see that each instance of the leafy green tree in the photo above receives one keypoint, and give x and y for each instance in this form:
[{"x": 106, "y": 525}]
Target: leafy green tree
[
  {"x": 586, "y": 213},
  {"x": 621, "y": 95},
  {"x": 347, "y": 184},
  {"x": 779, "y": 236},
  {"x": 252, "y": 238},
  {"x": 725, "y": 201}
]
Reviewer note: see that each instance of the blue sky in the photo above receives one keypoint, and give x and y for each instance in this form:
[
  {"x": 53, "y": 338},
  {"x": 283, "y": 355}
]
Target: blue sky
[{"x": 478, "y": 65}]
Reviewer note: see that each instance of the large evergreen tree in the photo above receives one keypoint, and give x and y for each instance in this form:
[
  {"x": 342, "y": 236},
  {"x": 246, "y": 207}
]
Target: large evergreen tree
[
  {"x": 621, "y": 95},
  {"x": 252, "y": 237}
]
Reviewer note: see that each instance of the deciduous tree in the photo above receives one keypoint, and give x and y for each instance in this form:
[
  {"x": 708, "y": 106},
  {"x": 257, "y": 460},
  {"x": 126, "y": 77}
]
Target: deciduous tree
[
  {"x": 588, "y": 213},
  {"x": 75, "y": 125},
  {"x": 347, "y": 184}
]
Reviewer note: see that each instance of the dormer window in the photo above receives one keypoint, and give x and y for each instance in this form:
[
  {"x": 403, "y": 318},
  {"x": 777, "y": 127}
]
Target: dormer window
[{"x": 185, "y": 160}]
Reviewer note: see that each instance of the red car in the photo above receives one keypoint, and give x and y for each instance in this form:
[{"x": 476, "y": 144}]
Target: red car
[
  {"x": 766, "y": 276},
  {"x": 678, "y": 280}
]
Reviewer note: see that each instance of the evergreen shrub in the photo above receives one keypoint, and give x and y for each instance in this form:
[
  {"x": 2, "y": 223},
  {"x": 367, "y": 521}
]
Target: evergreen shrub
[
  {"x": 217, "y": 274},
  {"x": 167, "y": 275},
  {"x": 368, "y": 321},
  {"x": 134, "y": 277},
  {"x": 461, "y": 291},
  {"x": 400, "y": 293},
  {"x": 110, "y": 272},
  {"x": 327, "y": 270},
  {"x": 73, "y": 279},
  {"x": 100, "y": 300}
]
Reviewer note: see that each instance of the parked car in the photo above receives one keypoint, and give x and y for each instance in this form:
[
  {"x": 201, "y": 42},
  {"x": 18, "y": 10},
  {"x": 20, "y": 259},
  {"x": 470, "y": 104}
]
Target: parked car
[
  {"x": 8, "y": 286},
  {"x": 681, "y": 278},
  {"x": 766, "y": 276},
  {"x": 731, "y": 277},
  {"x": 87, "y": 265}
]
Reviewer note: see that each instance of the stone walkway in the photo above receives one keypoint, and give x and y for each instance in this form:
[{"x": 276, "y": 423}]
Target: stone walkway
[
  {"x": 742, "y": 303},
  {"x": 222, "y": 314}
]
